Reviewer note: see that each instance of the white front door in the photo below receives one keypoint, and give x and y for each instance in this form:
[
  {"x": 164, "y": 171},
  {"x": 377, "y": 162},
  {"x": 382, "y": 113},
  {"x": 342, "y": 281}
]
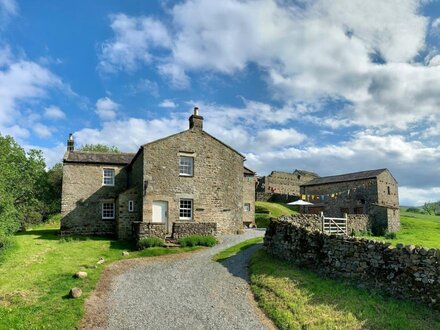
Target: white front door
[{"x": 160, "y": 212}]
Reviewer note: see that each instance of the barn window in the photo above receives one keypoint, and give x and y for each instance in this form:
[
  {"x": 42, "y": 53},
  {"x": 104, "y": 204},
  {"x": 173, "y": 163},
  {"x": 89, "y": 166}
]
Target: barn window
[
  {"x": 389, "y": 190},
  {"x": 108, "y": 211},
  {"x": 130, "y": 206},
  {"x": 186, "y": 209}
]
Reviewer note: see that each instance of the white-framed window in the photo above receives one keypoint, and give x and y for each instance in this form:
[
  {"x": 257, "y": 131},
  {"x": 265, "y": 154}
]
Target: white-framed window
[
  {"x": 247, "y": 207},
  {"x": 108, "y": 177},
  {"x": 186, "y": 166},
  {"x": 130, "y": 206},
  {"x": 186, "y": 209},
  {"x": 108, "y": 210}
]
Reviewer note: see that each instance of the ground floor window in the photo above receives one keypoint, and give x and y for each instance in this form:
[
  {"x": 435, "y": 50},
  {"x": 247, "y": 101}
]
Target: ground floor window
[
  {"x": 186, "y": 209},
  {"x": 108, "y": 210},
  {"x": 247, "y": 207},
  {"x": 130, "y": 206}
]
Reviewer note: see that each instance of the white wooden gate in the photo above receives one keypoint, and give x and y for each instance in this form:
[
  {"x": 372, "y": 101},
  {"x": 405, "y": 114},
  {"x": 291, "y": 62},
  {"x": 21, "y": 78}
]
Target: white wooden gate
[{"x": 334, "y": 225}]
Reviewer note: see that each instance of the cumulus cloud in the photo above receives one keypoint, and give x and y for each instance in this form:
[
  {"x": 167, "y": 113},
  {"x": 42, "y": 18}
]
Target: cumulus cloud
[
  {"x": 54, "y": 112},
  {"x": 106, "y": 108},
  {"x": 42, "y": 130},
  {"x": 8, "y": 8},
  {"x": 134, "y": 36},
  {"x": 167, "y": 104}
]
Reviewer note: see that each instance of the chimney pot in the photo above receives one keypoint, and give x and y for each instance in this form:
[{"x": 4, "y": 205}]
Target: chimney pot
[
  {"x": 196, "y": 111},
  {"x": 196, "y": 121},
  {"x": 70, "y": 143}
]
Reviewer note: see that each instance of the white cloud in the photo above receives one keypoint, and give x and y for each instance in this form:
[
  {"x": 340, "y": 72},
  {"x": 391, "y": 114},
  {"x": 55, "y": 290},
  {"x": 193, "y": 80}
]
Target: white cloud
[
  {"x": 42, "y": 130},
  {"x": 167, "y": 104},
  {"x": 8, "y": 8},
  {"x": 134, "y": 36},
  {"x": 435, "y": 23},
  {"x": 106, "y": 108},
  {"x": 54, "y": 112},
  {"x": 417, "y": 197}
]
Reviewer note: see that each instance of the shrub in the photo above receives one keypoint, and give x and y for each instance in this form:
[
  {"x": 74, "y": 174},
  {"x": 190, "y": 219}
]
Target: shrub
[
  {"x": 6, "y": 242},
  {"x": 201, "y": 240},
  {"x": 390, "y": 235},
  {"x": 261, "y": 209},
  {"x": 148, "y": 242},
  {"x": 364, "y": 232}
]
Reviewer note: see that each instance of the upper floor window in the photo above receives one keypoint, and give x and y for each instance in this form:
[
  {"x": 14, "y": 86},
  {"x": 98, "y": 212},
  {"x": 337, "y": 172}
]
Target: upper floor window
[
  {"x": 186, "y": 166},
  {"x": 247, "y": 207},
  {"x": 108, "y": 177},
  {"x": 186, "y": 209}
]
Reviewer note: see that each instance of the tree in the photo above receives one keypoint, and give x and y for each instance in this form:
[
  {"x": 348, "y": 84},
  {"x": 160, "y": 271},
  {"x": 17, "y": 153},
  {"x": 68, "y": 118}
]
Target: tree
[
  {"x": 54, "y": 187},
  {"x": 429, "y": 207},
  {"x": 99, "y": 148}
]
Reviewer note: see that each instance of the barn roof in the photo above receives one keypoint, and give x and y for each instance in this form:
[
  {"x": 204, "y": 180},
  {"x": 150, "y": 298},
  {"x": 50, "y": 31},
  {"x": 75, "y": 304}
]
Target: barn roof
[{"x": 345, "y": 177}]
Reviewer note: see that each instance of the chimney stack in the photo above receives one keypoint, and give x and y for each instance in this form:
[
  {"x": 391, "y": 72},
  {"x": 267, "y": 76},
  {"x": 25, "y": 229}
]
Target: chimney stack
[
  {"x": 70, "y": 143},
  {"x": 196, "y": 121}
]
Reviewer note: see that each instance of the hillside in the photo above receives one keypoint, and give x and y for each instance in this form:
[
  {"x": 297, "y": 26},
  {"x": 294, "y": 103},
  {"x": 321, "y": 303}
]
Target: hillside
[{"x": 266, "y": 210}]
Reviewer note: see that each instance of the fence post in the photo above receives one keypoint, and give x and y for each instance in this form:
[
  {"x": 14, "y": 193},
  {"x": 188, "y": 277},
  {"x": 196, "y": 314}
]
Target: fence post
[{"x": 322, "y": 221}]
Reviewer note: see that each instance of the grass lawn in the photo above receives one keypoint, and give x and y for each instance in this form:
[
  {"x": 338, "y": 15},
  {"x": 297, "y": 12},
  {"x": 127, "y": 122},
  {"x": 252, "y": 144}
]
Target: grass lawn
[
  {"x": 295, "y": 298},
  {"x": 275, "y": 210},
  {"x": 36, "y": 276},
  {"x": 416, "y": 229},
  {"x": 233, "y": 250}
]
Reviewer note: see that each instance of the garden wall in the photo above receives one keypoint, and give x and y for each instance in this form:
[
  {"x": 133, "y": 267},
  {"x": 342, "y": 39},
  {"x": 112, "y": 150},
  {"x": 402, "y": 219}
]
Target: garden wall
[
  {"x": 148, "y": 229},
  {"x": 403, "y": 272},
  {"x": 183, "y": 229}
]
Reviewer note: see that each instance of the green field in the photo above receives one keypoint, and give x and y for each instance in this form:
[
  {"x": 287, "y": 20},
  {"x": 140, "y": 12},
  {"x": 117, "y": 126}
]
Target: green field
[
  {"x": 233, "y": 250},
  {"x": 37, "y": 274},
  {"x": 274, "y": 210},
  {"x": 295, "y": 298},
  {"x": 416, "y": 229}
]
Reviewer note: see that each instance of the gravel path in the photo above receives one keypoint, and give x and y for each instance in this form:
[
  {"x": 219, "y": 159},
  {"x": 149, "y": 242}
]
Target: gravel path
[{"x": 192, "y": 292}]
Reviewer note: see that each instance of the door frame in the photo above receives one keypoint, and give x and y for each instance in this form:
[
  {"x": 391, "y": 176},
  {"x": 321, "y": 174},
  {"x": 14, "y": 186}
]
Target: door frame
[{"x": 167, "y": 216}]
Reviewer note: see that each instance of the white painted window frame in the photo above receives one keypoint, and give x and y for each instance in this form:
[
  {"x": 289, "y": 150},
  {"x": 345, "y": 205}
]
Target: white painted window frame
[
  {"x": 186, "y": 208},
  {"x": 245, "y": 208},
  {"x": 112, "y": 217},
  {"x": 130, "y": 206},
  {"x": 190, "y": 166},
  {"x": 106, "y": 177}
]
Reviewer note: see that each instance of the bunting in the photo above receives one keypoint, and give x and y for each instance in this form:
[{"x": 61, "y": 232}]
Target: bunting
[{"x": 336, "y": 194}]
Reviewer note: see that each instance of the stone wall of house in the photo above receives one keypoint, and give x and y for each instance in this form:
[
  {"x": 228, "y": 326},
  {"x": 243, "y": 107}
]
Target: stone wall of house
[
  {"x": 136, "y": 178},
  {"x": 83, "y": 195},
  {"x": 216, "y": 187},
  {"x": 126, "y": 218},
  {"x": 355, "y": 222},
  {"x": 404, "y": 272},
  {"x": 148, "y": 229},
  {"x": 249, "y": 198},
  {"x": 183, "y": 229},
  {"x": 284, "y": 182}
]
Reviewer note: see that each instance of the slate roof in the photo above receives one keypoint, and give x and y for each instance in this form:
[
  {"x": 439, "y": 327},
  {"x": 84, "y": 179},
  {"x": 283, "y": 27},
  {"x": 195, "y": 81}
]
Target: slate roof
[
  {"x": 345, "y": 177},
  {"x": 98, "y": 158},
  {"x": 248, "y": 171}
]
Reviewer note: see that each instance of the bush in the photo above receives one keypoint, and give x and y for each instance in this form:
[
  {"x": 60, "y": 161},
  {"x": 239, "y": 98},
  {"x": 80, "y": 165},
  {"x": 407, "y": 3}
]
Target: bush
[
  {"x": 261, "y": 209},
  {"x": 390, "y": 235},
  {"x": 148, "y": 242},
  {"x": 414, "y": 210},
  {"x": 6, "y": 242},
  {"x": 200, "y": 240},
  {"x": 360, "y": 233}
]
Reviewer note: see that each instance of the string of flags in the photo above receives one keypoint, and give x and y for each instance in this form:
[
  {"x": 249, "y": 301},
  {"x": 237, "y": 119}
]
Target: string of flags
[{"x": 344, "y": 193}]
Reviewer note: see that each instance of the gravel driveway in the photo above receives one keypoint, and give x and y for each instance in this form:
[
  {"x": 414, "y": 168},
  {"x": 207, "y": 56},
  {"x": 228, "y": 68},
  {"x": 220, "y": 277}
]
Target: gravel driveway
[{"x": 192, "y": 292}]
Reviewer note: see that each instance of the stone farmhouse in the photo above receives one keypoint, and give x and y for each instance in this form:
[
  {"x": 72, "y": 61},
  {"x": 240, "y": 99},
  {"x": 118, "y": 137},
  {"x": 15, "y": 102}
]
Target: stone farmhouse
[
  {"x": 282, "y": 184},
  {"x": 373, "y": 192},
  {"x": 186, "y": 183}
]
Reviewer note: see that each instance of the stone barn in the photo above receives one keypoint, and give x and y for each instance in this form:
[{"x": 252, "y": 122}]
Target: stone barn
[
  {"x": 373, "y": 192},
  {"x": 186, "y": 183}
]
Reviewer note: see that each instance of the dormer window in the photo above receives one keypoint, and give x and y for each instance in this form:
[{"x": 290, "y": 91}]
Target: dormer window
[
  {"x": 108, "y": 177},
  {"x": 186, "y": 166}
]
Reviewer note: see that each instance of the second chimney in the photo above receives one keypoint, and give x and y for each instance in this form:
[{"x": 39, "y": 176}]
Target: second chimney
[
  {"x": 196, "y": 121},
  {"x": 70, "y": 143}
]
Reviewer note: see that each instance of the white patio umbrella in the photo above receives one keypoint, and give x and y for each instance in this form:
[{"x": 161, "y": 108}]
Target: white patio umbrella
[{"x": 300, "y": 202}]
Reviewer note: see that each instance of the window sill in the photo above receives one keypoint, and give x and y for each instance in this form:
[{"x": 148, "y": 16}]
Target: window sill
[{"x": 186, "y": 175}]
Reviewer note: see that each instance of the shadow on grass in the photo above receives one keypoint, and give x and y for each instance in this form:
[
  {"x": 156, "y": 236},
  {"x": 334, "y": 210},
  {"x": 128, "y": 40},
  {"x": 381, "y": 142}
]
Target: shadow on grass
[{"x": 298, "y": 292}]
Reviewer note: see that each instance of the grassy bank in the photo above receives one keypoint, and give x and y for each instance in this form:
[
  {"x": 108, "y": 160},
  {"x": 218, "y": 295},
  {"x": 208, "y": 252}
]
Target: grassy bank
[
  {"x": 416, "y": 229},
  {"x": 273, "y": 210},
  {"x": 295, "y": 298},
  {"x": 233, "y": 250},
  {"x": 36, "y": 276}
]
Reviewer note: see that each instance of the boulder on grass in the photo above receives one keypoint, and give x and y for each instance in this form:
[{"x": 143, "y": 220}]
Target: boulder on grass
[
  {"x": 101, "y": 261},
  {"x": 80, "y": 275},
  {"x": 125, "y": 254},
  {"x": 75, "y": 292}
]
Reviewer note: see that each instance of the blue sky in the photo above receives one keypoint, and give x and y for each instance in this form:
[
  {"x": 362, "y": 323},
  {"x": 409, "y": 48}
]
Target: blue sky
[{"x": 326, "y": 86}]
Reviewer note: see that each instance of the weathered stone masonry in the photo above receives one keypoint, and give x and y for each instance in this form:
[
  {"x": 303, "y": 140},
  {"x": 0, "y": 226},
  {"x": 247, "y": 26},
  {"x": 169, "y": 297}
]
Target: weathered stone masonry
[{"x": 403, "y": 272}]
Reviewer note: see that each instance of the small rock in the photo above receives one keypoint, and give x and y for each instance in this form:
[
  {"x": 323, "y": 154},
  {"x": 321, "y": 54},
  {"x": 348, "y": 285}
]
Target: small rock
[
  {"x": 80, "y": 274},
  {"x": 125, "y": 254},
  {"x": 75, "y": 292},
  {"x": 101, "y": 261}
]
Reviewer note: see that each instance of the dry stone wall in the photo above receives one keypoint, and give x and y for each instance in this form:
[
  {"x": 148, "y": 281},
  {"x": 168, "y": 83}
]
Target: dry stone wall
[
  {"x": 183, "y": 229},
  {"x": 404, "y": 272},
  {"x": 149, "y": 229}
]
